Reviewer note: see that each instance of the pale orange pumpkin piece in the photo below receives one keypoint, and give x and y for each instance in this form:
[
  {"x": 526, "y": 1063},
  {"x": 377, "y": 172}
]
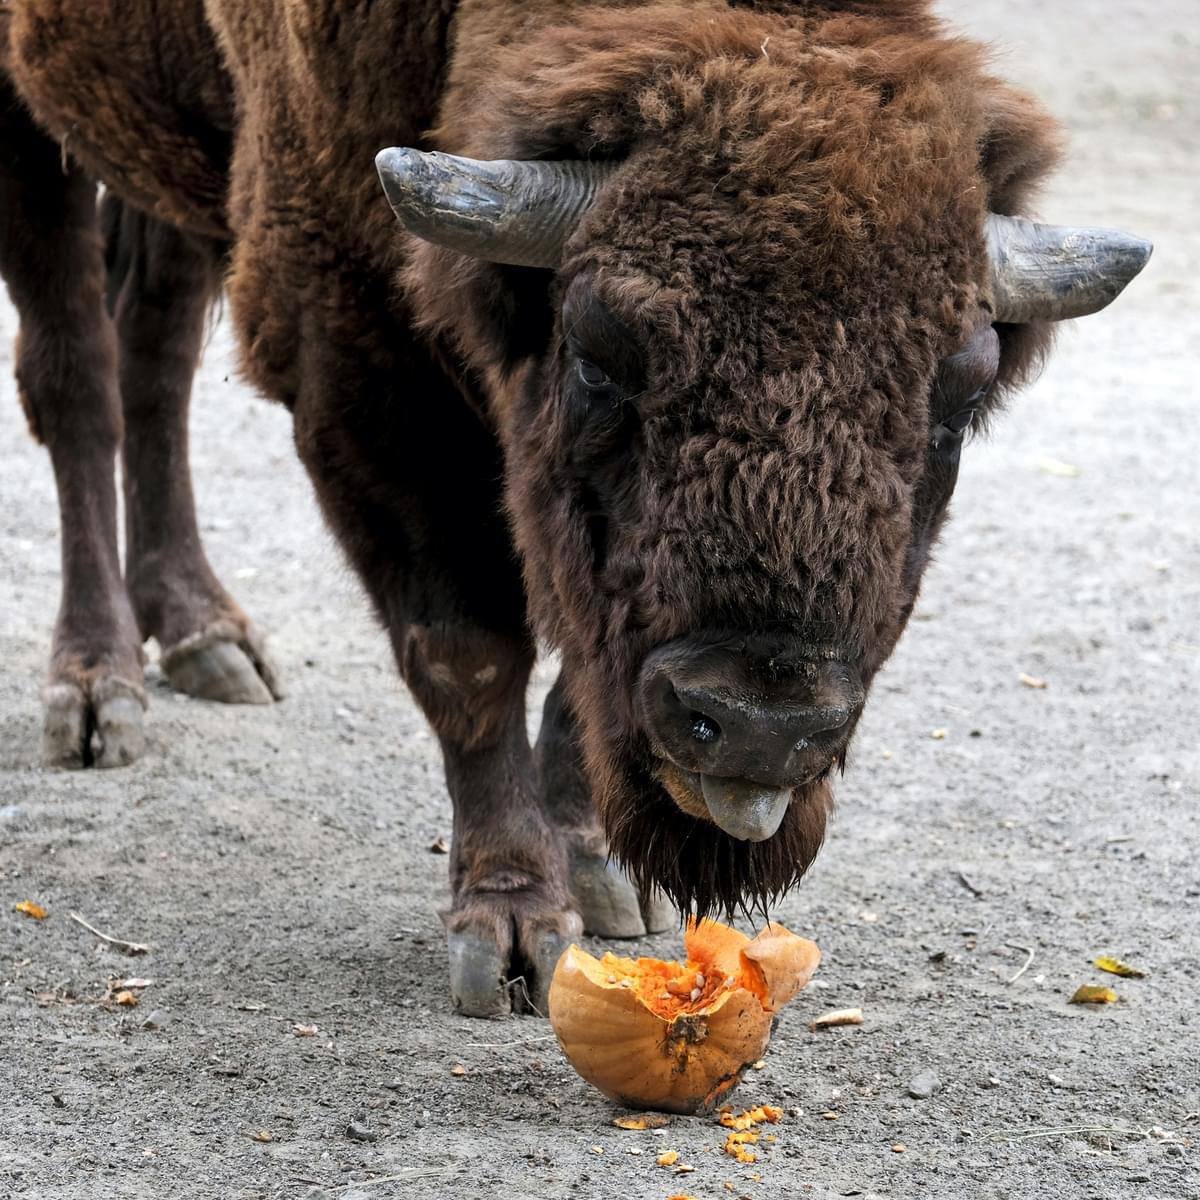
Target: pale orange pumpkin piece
[{"x": 677, "y": 1036}]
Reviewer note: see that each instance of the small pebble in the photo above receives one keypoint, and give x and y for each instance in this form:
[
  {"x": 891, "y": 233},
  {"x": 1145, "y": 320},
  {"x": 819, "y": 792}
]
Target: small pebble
[
  {"x": 922, "y": 1086},
  {"x": 359, "y": 1131},
  {"x": 154, "y": 1019}
]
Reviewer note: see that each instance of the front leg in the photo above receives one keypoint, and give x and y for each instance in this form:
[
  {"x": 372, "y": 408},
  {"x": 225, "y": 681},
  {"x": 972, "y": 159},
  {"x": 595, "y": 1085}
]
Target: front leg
[
  {"x": 407, "y": 476},
  {"x": 511, "y": 915},
  {"x": 610, "y": 904}
]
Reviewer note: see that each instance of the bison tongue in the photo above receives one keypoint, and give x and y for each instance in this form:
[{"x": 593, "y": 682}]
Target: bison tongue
[{"x": 745, "y": 810}]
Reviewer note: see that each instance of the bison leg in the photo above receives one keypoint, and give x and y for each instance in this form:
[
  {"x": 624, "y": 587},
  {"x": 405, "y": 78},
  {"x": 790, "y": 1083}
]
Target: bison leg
[
  {"x": 50, "y": 257},
  {"x": 511, "y": 916},
  {"x": 610, "y": 904},
  {"x": 161, "y": 284},
  {"x": 408, "y": 478}
]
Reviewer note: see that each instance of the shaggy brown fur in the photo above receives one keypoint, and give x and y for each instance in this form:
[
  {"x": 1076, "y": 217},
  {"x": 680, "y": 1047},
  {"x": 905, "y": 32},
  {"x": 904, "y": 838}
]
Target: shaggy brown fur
[{"x": 784, "y": 281}]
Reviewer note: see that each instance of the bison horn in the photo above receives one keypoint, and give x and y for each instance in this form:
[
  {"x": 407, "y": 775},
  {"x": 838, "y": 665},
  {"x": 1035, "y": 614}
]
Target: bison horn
[
  {"x": 506, "y": 211},
  {"x": 523, "y": 212},
  {"x": 1052, "y": 272}
]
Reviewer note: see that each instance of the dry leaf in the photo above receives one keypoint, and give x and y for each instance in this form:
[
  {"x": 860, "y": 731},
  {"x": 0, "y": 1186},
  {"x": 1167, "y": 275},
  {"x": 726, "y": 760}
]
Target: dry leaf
[
  {"x": 648, "y": 1121},
  {"x": 30, "y": 909},
  {"x": 668, "y": 1158},
  {"x": 837, "y": 1016},
  {"x": 1031, "y": 681},
  {"x": 1114, "y": 966},
  {"x": 1055, "y": 466},
  {"x": 439, "y": 846},
  {"x": 304, "y": 1030},
  {"x": 1089, "y": 994},
  {"x": 681, "y": 1196},
  {"x": 126, "y": 999},
  {"x": 262, "y": 1135}
]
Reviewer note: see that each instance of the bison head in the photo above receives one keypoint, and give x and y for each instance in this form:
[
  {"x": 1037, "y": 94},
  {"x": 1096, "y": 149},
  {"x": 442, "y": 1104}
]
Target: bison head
[{"x": 737, "y": 294}]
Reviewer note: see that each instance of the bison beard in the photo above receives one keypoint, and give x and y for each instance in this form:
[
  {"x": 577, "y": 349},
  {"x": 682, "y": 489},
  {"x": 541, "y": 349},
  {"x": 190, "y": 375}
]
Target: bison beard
[
  {"x": 700, "y": 867},
  {"x": 792, "y": 224}
]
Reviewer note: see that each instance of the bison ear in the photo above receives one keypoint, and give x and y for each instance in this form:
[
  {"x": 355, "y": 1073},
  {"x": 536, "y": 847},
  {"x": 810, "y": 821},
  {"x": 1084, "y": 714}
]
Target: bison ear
[
  {"x": 504, "y": 211},
  {"x": 1055, "y": 272}
]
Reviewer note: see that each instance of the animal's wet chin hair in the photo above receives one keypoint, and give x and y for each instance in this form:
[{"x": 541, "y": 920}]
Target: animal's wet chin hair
[{"x": 700, "y": 867}]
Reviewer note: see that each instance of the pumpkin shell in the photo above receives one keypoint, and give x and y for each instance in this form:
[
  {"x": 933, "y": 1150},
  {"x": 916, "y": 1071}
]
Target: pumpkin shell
[{"x": 687, "y": 1062}]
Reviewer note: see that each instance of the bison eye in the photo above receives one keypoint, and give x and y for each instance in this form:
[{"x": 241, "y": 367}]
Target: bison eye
[
  {"x": 948, "y": 433},
  {"x": 959, "y": 421},
  {"x": 592, "y": 377},
  {"x": 947, "y": 436}
]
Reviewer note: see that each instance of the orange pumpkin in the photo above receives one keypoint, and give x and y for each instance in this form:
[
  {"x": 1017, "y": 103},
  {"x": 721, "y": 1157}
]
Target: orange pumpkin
[{"x": 677, "y": 1036}]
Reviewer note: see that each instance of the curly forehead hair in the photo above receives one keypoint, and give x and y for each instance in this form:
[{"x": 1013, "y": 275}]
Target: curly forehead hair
[{"x": 874, "y": 116}]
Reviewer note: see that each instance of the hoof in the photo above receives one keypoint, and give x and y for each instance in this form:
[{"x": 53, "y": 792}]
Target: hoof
[
  {"x": 477, "y": 976},
  {"x": 658, "y": 912},
  {"x": 224, "y": 663},
  {"x": 610, "y": 903},
  {"x": 97, "y": 727},
  {"x": 502, "y": 961}
]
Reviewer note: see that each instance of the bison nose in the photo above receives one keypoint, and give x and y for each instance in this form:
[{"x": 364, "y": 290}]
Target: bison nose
[{"x": 716, "y": 713}]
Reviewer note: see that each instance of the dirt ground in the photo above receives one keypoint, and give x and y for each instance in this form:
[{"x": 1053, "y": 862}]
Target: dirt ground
[{"x": 277, "y": 860}]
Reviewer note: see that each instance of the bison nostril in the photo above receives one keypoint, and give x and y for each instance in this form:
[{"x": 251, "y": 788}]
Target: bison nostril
[{"x": 704, "y": 729}]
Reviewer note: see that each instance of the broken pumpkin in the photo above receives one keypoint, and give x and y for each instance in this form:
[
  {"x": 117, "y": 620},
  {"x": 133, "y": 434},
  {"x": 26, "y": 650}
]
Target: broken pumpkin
[{"x": 677, "y": 1036}]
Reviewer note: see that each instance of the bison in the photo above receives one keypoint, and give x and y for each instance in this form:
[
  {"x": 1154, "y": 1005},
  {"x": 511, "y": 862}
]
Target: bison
[{"x": 669, "y": 362}]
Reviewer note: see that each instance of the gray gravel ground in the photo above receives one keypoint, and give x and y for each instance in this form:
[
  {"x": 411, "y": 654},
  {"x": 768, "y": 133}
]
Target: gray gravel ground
[{"x": 277, "y": 860}]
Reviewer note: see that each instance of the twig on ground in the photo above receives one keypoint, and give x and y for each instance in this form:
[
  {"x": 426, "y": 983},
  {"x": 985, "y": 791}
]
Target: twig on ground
[
  {"x": 962, "y": 878},
  {"x": 1029, "y": 1135},
  {"x": 120, "y": 943},
  {"x": 548, "y": 1037},
  {"x": 406, "y": 1176},
  {"x": 519, "y": 981},
  {"x": 1028, "y": 951}
]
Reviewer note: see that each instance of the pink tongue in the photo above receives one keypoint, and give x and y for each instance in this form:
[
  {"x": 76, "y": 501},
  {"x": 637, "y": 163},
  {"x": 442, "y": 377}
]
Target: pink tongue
[{"x": 751, "y": 812}]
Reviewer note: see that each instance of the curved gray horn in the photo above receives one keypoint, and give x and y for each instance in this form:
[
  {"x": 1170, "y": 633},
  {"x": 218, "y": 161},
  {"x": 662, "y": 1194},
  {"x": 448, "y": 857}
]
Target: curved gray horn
[
  {"x": 506, "y": 211},
  {"x": 1052, "y": 272}
]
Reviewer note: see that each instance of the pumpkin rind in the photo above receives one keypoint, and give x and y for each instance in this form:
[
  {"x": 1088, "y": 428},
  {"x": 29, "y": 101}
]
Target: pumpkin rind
[
  {"x": 637, "y": 1058},
  {"x": 787, "y": 963},
  {"x": 685, "y": 1061}
]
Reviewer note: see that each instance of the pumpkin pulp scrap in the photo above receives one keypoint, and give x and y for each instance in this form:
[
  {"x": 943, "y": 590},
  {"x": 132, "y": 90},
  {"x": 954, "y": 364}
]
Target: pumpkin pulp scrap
[{"x": 672, "y": 989}]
